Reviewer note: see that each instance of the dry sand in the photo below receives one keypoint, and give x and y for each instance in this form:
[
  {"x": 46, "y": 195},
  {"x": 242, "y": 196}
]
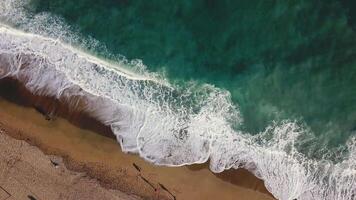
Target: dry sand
[
  {"x": 26, "y": 172},
  {"x": 100, "y": 157}
]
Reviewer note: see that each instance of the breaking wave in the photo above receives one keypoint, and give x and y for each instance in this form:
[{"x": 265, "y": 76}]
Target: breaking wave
[{"x": 167, "y": 124}]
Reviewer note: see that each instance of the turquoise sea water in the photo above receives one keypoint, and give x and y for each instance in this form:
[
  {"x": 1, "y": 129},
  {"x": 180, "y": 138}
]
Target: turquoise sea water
[
  {"x": 279, "y": 59},
  {"x": 265, "y": 85}
]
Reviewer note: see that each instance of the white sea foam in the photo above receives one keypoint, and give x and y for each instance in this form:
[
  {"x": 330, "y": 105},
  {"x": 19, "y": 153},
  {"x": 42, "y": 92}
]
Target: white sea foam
[{"x": 165, "y": 124}]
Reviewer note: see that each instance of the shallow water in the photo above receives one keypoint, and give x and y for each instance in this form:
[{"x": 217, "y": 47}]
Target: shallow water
[{"x": 244, "y": 83}]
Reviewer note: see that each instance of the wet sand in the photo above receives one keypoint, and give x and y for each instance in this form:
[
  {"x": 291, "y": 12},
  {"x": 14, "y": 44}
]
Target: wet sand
[{"x": 89, "y": 147}]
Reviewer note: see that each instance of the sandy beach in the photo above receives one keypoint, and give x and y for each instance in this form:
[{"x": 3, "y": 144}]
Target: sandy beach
[
  {"x": 82, "y": 147},
  {"x": 25, "y": 173}
]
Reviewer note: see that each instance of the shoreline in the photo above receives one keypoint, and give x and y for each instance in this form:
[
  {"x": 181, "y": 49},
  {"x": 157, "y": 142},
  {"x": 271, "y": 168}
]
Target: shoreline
[{"x": 89, "y": 146}]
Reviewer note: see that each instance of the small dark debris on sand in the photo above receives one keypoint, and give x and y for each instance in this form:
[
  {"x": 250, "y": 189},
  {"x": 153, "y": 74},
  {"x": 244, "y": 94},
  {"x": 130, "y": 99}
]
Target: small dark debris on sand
[
  {"x": 136, "y": 167},
  {"x": 31, "y": 197},
  {"x": 54, "y": 163},
  {"x": 148, "y": 182},
  {"x": 164, "y": 188},
  {"x": 44, "y": 113}
]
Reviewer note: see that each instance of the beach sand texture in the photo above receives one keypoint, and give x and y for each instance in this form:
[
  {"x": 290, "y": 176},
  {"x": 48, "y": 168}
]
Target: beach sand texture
[
  {"x": 25, "y": 173},
  {"x": 100, "y": 158}
]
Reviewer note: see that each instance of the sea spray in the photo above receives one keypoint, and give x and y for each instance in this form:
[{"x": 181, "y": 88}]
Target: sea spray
[
  {"x": 140, "y": 102},
  {"x": 169, "y": 124}
]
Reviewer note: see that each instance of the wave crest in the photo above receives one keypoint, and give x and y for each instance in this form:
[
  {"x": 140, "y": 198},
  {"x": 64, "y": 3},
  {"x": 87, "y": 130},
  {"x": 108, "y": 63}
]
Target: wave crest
[{"x": 167, "y": 124}]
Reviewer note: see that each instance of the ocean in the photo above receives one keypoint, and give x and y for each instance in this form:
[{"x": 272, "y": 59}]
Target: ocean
[{"x": 269, "y": 86}]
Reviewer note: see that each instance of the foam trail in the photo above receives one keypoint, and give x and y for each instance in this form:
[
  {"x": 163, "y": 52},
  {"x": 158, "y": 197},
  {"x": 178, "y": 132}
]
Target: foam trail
[
  {"x": 157, "y": 122},
  {"x": 170, "y": 125},
  {"x": 49, "y": 67}
]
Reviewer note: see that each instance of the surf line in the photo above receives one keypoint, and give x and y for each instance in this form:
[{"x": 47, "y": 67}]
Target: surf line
[{"x": 5, "y": 29}]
